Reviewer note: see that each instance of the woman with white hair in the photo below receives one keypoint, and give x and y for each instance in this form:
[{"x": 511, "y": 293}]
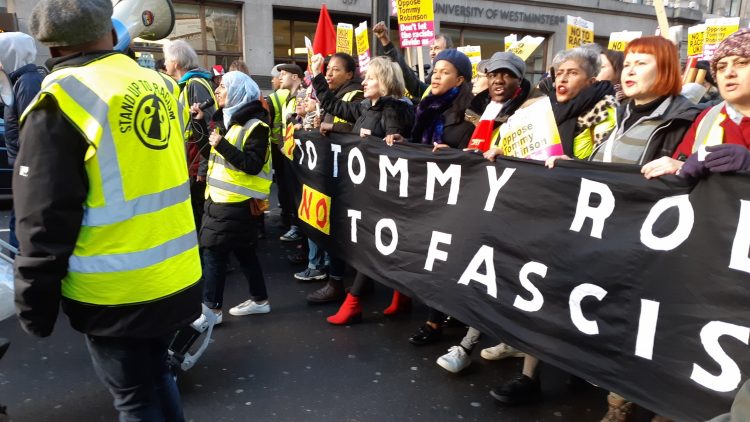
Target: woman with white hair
[
  {"x": 239, "y": 171},
  {"x": 584, "y": 108}
]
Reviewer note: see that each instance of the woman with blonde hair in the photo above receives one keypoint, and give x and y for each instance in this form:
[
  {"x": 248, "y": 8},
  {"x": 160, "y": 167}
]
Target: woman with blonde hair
[{"x": 383, "y": 113}]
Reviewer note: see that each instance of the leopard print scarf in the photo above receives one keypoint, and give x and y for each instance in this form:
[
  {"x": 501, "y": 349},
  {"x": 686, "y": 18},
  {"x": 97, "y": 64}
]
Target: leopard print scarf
[{"x": 596, "y": 115}]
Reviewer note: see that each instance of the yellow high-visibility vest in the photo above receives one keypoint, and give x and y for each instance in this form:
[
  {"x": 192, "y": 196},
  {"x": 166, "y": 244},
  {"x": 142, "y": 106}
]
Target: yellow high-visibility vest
[
  {"x": 227, "y": 184},
  {"x": 137, "y": 241},
  {"x": 278, "y": 99},
  {"x": 709, "y": 130},
  {"x": 348, "y": 98}
]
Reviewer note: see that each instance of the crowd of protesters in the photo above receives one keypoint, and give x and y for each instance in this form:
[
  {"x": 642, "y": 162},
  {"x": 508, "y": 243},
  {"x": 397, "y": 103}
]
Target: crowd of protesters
[{"x": 608, "y": 107}]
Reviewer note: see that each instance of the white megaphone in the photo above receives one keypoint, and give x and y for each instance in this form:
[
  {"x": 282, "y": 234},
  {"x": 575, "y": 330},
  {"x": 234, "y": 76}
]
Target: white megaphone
[{"x": 148, "y": 19}]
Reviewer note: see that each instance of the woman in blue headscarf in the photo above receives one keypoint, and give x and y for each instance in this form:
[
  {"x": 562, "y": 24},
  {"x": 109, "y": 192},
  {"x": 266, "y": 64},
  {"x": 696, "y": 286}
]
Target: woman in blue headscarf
[{"x": 239, "y": 171}]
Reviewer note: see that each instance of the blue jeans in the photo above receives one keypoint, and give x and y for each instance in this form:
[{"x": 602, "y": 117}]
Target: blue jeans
[
  {"x": 215, "y": 262},
  {"x": 317, "y": 259},
  {"x": 136, "y": 372}
]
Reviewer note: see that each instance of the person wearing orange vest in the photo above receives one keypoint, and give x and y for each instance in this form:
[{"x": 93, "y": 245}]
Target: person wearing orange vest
[
  {"x": 105, "y": 222},
  {"x": 724, "y": 129}
]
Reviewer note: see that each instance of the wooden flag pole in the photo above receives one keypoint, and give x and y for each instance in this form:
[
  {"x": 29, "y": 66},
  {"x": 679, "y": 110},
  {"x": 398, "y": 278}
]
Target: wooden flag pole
[
  {"x": 420, "y": 63},
  {"x": 661, "y": 17}
]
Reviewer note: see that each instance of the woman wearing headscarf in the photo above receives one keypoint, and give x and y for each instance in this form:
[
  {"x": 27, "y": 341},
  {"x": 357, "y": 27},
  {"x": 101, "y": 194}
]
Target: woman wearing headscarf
[{"x": 239, "y": 171}]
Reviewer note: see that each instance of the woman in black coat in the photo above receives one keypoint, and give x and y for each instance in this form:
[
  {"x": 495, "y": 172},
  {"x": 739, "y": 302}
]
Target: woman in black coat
[
  {"x": 235, "y": 157},
  {"x": 383, "y": 113}
]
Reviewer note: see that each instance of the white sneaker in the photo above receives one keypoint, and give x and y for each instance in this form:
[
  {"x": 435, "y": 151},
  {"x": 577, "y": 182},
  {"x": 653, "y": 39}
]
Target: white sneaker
[
  {"x": 250, "y": 307},
  {"x": 501, "y": 351},
  {"x": 203, "y": 320},
  {"x": 455, "y": 360}
]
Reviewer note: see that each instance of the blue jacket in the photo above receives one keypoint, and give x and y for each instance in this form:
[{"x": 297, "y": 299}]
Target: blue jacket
[{"x": 27, "y": 82}]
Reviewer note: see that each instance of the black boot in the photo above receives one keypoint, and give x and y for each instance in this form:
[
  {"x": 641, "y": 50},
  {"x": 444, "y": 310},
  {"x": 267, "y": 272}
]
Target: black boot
[
  {"x": 519, "y": 390},
  {"x": 426, "y": 335},
  {"x": 333, "y": 291}
]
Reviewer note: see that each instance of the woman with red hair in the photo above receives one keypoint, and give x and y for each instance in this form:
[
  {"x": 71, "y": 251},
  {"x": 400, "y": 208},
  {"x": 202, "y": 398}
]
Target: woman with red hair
[
  {"x": 650, "y": 125},
  {"x": 652, "y": 122}
]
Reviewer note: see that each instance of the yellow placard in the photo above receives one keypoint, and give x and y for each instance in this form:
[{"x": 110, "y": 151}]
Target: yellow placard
[
  {"x": 411, "y": 11},
  {"x": 344, "y": 36},
  {"x": 579, "y": 32},
  {"x": 315, "y": 209},
  {"x": 696, "y": 39},
  {"x": 619, "y": 40},
  {"x": 526, "y": 46},
  {"x": 719, "y": 29},
  {"x": 363, "y": 43},
  {"x": 508, "y": 41},
  {"x": 310, "y": 52},
  {"x": 474, "y": 53},
  {"x": 288, "y": 148},
  {"x": 363, "y": 46},
  {"x": 531, "y": 132}
]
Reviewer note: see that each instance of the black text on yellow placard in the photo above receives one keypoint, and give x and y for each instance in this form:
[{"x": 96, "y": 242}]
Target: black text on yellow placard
[{"x": 315, "y": 209}]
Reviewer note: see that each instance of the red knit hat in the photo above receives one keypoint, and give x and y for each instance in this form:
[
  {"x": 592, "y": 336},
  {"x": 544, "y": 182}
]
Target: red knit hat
[{"x": 218, "y": 70}]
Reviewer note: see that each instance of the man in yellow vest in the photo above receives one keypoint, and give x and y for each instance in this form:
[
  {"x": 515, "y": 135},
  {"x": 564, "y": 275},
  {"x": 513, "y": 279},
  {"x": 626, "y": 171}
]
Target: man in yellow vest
[
  {"x": 104, "y": 217},
  {"x": 291, "y": 80}
]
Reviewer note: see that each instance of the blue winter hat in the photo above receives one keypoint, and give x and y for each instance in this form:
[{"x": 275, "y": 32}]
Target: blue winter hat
[{"x": 457, "y": 59}]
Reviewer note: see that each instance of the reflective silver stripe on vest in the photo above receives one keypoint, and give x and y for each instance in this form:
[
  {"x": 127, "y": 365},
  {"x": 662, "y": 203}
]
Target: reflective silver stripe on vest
[
  {"x": 240, "y": 190},
  {"x": 219, "y": 159},
  {"x": 132, "y": 260},
  {"x": 117, "y": 209},
  {"x": 705, "y": 126}
]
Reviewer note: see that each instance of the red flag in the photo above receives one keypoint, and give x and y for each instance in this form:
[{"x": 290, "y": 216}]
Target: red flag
[{"x": 325, "y": 35}]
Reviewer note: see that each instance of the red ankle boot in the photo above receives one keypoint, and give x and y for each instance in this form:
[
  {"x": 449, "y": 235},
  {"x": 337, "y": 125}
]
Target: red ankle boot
[
  {"x": 399, "y": 303},
  {"x": 350, "y": 311}
]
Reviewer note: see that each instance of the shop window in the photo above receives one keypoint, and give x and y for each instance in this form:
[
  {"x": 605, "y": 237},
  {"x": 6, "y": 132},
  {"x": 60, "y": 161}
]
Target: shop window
[
  {"x": 213, "y": 30},
  {"x": 492, "y": 41}
]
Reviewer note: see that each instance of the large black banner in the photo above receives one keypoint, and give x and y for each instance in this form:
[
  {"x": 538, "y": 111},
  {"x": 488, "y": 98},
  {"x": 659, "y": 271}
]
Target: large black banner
[{"x": 639, "y": 286}]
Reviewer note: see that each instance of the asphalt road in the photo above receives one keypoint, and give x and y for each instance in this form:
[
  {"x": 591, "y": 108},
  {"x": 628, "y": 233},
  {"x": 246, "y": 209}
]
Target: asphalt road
[{"x": 291, "y": 365}]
